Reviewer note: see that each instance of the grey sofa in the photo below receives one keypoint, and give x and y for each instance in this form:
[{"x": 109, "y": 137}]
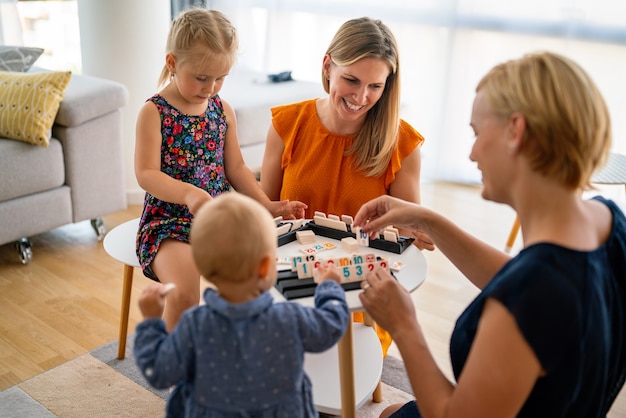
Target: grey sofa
[{"x": 79, "y": 176}]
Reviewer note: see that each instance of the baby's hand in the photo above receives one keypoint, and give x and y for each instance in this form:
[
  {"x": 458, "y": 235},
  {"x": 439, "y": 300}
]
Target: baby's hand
[
  {"x": 326, "y": 272},
  {"x": 152, "y": 300},
  {"x": 288, "y": 209}
]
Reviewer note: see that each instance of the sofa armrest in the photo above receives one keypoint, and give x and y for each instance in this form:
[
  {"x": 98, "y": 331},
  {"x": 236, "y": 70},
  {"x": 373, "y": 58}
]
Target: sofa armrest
[{"x": 89, "y": 127}]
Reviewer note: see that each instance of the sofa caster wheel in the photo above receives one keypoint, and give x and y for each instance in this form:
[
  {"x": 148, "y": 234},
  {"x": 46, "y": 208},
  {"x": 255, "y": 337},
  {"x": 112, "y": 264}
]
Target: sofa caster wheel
[
  {"x": 98, "y": 226},
  {"x": 24, "y": 250}
]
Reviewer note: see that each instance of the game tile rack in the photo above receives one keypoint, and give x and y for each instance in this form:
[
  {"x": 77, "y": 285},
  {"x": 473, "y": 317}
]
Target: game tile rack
[
  {"x": 397, "y": 247},
  {"x": 292, "y": 287}
]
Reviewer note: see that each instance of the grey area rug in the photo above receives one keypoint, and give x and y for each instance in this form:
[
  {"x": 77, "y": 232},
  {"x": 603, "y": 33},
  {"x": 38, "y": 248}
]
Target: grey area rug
[
  {"x": 97, "y": 384},
  {"x": 393, "y": 368}
]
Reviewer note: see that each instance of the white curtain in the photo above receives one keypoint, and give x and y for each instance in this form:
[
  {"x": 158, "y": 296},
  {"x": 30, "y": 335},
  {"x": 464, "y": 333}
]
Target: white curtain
[
  {"x": 10, "y": 25},
  {"x": 445, "y": 46},
  {"x": 178, "y": 6}
]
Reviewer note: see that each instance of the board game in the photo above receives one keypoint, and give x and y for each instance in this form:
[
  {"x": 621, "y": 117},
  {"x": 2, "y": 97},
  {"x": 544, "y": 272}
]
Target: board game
[{"x": 332, "y": 240}]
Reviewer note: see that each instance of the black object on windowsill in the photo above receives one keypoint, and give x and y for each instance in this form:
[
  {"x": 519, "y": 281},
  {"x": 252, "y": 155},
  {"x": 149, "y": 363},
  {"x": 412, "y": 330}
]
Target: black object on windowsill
[{"x": 280, "y": 77}]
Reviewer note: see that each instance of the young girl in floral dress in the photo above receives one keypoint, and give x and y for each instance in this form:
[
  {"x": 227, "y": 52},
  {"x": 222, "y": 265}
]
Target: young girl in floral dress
[{"x": 187, "y": 152}]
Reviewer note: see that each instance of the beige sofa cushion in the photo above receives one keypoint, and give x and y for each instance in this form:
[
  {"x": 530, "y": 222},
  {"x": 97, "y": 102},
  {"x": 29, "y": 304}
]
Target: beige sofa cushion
[{"x": 79, "y": 105}]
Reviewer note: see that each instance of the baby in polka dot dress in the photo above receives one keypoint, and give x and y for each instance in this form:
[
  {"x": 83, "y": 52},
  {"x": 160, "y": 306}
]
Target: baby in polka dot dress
[{"x": 239, "y": 354}]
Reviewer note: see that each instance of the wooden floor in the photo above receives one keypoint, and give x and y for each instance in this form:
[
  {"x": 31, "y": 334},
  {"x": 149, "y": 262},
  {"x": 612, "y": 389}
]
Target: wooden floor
[{"x": 66, "y": 302}]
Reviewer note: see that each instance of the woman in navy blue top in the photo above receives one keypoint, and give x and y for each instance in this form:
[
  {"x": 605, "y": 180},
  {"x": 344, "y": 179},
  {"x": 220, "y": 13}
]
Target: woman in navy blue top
[{"x": 546, "y": 337}]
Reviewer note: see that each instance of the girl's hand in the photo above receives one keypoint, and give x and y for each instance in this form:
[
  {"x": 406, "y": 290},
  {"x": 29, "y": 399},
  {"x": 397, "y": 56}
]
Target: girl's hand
[
  {"x": 287, "y": 209},
  {"x": 195, "y": 198}
]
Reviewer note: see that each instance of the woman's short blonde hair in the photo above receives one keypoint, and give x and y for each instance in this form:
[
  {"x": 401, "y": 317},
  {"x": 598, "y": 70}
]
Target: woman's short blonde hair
[
  {"x": 230, "y": 235},
  {"x": 200, "y": 32},
  {"x": 568, "y": 127}
]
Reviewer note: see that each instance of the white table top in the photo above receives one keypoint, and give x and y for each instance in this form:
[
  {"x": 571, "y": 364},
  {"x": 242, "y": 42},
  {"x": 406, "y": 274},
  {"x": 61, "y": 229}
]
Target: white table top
[
  {"x": 120, "y": 242},
  {"x": 323, "y": 368}
]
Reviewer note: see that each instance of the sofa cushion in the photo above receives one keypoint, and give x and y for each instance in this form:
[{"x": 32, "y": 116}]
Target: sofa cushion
[
  {"x": 79, "y": 106},
  {"x": 33, "y": 214},
  {"x": 29, "y": 103},
  {"x": 18, "y": 58},
  {"x": 27, "y": 169}
]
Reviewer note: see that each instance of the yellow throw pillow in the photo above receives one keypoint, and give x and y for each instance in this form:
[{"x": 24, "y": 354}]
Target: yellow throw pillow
[{"x": 29, "y": 103}]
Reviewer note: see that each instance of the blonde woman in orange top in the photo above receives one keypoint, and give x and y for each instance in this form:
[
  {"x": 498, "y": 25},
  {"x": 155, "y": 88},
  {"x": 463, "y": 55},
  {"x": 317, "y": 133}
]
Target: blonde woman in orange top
[{"x": 340, "y": 151}]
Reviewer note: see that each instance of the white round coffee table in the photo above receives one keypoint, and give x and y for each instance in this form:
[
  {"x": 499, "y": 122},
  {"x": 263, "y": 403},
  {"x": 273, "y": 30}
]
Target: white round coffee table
[{"x": 343, "y": 377}]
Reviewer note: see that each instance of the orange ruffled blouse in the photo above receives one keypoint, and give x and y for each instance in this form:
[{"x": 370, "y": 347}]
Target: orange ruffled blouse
[{"x": 316, "y": 170}]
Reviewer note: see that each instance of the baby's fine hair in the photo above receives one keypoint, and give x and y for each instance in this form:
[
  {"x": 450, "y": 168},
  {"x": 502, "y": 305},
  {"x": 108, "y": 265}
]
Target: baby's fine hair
[
  {"x": 568, "y": 127},
  {"x": 200, "y": 32},
  {"x": 230, "y": 235}
]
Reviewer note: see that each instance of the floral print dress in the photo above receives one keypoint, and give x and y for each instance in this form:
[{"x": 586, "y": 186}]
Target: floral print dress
[{"x": 192, "y": 150}]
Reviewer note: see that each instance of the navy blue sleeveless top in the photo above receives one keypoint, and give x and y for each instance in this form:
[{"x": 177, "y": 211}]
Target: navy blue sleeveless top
[{"x": 571, "y": 308}]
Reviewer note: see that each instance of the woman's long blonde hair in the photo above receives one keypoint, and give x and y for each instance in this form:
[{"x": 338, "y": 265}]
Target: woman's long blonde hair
[
  {"x": 199, "y": 31},
  {"x": 376, "y": 140}
]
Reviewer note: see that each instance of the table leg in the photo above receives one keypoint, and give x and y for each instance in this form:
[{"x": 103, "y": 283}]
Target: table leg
[
  {"x": 377, "y": 396},
  {"x": 346, "y": 374},
  {"x": 126, "y": 289}
]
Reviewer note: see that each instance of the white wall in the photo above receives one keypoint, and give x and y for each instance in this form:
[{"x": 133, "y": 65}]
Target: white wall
[
  {"x": 124, "y": 41},
  {"x": 10, "y": 28},
  {"x": 446, "y": 45}
]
